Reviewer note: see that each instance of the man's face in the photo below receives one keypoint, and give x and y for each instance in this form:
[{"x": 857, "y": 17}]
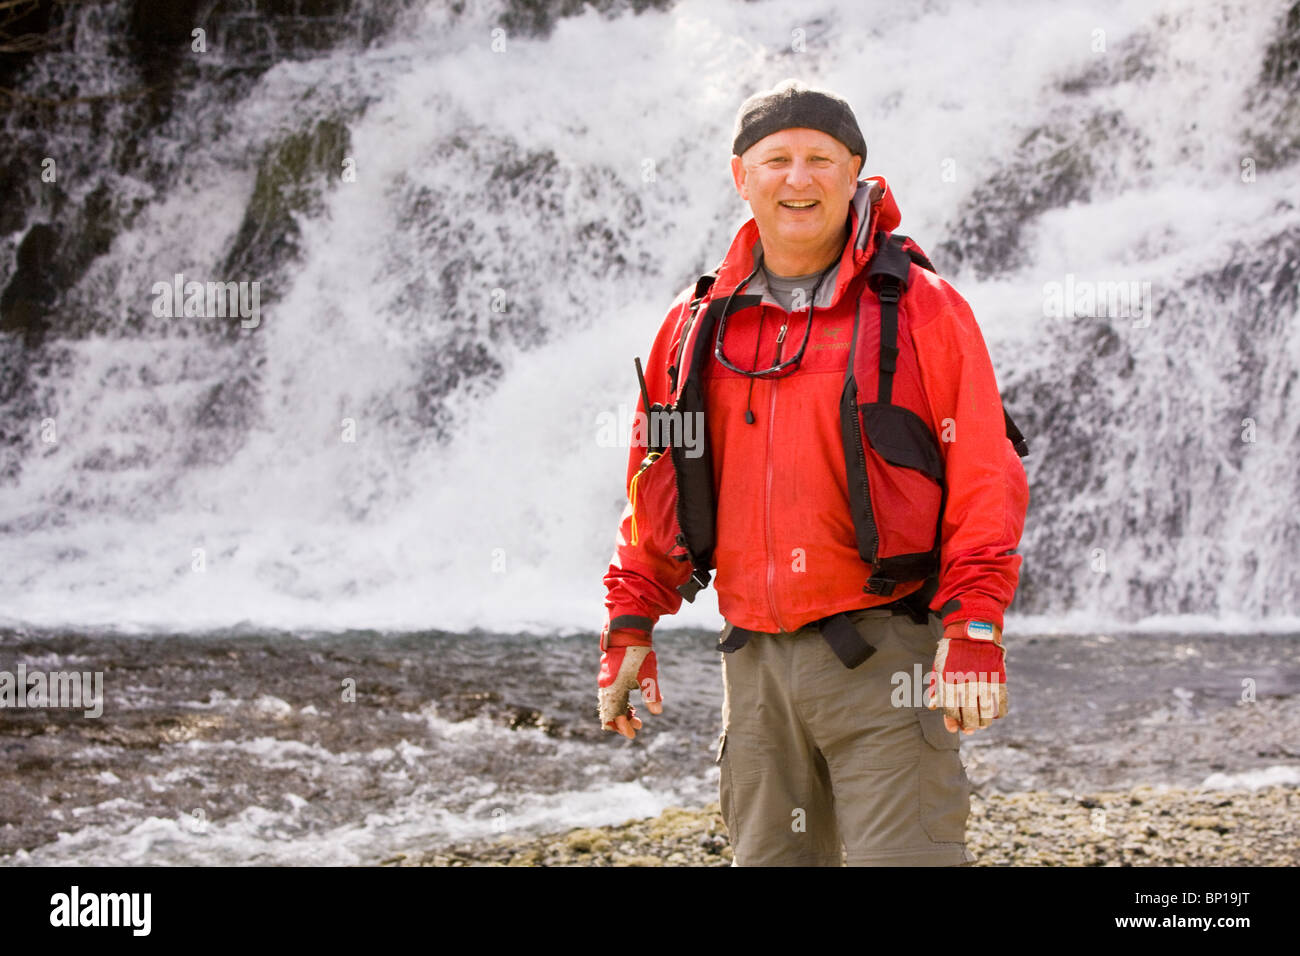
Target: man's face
[{"x": 799, "y": 183}]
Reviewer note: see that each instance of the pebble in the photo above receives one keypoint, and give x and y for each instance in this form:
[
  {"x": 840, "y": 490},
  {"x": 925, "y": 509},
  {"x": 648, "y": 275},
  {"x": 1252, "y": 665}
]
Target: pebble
[{"x": 1141, "y": 826}]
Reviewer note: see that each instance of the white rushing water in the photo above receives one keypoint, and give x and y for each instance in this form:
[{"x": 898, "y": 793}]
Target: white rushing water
[
  {"x": 578, "y": 182},
  {"x": 422, "y": 806}
]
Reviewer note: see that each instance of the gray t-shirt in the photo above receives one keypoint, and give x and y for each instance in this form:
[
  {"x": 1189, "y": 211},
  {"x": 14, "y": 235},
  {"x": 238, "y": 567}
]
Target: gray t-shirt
[{"x": 782, "y": 288}]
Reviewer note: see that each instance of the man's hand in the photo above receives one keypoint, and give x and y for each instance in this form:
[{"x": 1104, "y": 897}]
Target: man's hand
[
  {"x": 970, "y": 676},
  {"x": 628, "y": 663}
]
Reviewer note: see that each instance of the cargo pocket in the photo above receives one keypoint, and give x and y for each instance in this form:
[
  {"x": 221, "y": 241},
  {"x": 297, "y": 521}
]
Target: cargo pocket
[{"x": 943, "y": 787}]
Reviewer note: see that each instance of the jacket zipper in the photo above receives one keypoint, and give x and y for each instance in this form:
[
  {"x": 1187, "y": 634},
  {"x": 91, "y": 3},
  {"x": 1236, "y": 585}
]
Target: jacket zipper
[{"x": 767, "y": 494}]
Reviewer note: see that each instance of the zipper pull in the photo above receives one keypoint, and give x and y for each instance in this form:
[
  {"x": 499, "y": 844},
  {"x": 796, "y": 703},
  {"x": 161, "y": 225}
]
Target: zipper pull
[{"x": 780, "y": 336}]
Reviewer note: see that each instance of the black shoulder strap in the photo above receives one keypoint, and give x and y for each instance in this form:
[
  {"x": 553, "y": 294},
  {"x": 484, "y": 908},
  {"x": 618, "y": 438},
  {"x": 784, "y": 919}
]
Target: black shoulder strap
[
  {"x": 887, "y": 276},
  {"x": 702, "y": 286},
  {"x": 1017, "y": 440},
  {"x": 890, "y": 262},
  {"x": 920, "y": 258}
]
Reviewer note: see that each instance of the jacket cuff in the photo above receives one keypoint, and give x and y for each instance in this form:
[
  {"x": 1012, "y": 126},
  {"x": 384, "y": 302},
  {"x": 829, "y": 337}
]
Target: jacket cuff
[
  {"x": 958, "y": 629},
  {"x": 626, "y": 629},
  {"x": 972, "y": 607},
  {"x": 627, "y": 638}
]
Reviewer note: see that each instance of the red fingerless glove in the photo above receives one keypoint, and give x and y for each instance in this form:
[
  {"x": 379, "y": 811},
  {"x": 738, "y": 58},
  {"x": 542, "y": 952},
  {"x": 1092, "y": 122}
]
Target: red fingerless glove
[
  {"x": 970, "y": 674},
  {"x": 969, "y": 654},
  {"x": 626, "y": 664}
]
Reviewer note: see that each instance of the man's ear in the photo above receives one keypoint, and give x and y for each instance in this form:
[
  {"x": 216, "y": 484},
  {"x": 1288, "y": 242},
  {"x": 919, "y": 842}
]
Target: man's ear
[
  {"x": 738, "y": 174},
  {"x": 857, "y": 166}
]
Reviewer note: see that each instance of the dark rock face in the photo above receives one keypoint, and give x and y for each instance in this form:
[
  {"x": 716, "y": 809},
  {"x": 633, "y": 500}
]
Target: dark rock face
[
  {"x": 1053, "y": 167},
  {"x": 104, "y": 133},
  {"x": 79, "y": 134},
  {"x": 50, "y": 259},
  {"x": 536, "y": 18},
  {"x": 289, "y": 182},
  {"x": 31, "y": 291},
  {"x": 1281, "y": 67},
  {"x": 116, "y": 135},
  {"x": 1274, "y": 104},
  {"x": 1124, "y": 438},
  {"x": 26, "y": 30},
  {"x": 149, "y": 48},
  {"x": 1102, "y": 395}
]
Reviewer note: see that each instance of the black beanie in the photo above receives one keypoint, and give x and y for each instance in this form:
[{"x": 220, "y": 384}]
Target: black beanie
[{"x": 790, "y": 104}]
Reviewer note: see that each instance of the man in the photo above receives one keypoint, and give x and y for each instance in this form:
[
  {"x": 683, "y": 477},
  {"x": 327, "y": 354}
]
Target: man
[{"x": 848, "y": 489}]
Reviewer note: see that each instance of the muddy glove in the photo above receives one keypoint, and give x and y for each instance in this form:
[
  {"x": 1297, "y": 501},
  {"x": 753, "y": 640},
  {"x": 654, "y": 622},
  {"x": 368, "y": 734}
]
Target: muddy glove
[
  {"x": 627, "y": 662},
  {"x": 970, "y": 676}
]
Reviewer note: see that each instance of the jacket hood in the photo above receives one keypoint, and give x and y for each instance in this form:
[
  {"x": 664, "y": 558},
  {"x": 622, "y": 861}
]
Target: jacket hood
[{"x": 872, "y": 209}]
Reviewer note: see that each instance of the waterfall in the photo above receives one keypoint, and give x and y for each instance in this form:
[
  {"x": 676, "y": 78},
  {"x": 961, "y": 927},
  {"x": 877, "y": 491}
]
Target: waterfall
[{"x": 462, "y": 225}]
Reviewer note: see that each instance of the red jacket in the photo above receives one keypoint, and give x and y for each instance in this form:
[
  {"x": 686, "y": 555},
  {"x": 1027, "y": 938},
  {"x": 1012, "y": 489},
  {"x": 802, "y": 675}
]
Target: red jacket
[{"x": 786, "y": 552}]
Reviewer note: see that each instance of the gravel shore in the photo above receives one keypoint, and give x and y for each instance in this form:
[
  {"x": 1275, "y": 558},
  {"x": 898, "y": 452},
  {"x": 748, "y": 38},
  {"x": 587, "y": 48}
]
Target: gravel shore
[{"x": 1141, "y": 826}]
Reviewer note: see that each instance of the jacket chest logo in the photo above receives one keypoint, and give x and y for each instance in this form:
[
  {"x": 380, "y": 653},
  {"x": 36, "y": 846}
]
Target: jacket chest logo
[{"x": 829, "y": 338}]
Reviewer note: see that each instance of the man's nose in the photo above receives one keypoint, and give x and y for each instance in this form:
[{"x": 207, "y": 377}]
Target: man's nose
[{"x": 800, "y": 174}]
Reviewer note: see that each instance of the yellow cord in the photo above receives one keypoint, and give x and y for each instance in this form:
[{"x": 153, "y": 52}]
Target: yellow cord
[{"x": 631, "y": 490}]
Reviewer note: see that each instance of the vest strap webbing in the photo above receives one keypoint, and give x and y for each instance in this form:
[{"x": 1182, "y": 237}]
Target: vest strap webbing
[
  {"x": 888, "y": 279},
  {"x": 888, "y": 341},
  {"x": 692, "y": 586},
  {"x": 900, "y": 569},
  {"x": 919, "y": 601},
  {"x": 837, "y": 630},
  {"x": 702, "y": 286},
  {"x": 842, "y": 635},
  {"x": 1017, "y": 440},
  {"x": 734, "y": 641}
]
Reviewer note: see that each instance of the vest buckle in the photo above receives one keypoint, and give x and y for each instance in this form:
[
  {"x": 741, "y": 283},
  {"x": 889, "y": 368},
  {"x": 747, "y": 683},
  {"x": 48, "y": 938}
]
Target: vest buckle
[{"x": 878, "y": 585}]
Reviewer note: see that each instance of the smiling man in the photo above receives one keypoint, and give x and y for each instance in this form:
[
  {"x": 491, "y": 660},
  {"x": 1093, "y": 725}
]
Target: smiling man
[{"x": 859, "y": 496}]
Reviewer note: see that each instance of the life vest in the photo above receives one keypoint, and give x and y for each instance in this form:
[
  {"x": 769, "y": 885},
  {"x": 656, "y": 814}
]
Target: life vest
[{"x": 893, "y": 462}]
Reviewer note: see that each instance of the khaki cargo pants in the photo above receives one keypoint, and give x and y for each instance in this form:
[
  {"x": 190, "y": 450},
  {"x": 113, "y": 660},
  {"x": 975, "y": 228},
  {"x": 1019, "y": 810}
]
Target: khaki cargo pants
[{"x": 816, "y": 759}]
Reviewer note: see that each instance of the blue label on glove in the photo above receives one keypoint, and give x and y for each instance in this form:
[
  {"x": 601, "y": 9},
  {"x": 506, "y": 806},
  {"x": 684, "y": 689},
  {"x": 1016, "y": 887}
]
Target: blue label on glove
[{"x": 979, "y": 630}]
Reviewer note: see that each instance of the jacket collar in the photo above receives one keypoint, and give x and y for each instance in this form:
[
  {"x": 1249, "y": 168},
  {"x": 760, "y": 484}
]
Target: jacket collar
[{"x": 872, "y": 208}]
